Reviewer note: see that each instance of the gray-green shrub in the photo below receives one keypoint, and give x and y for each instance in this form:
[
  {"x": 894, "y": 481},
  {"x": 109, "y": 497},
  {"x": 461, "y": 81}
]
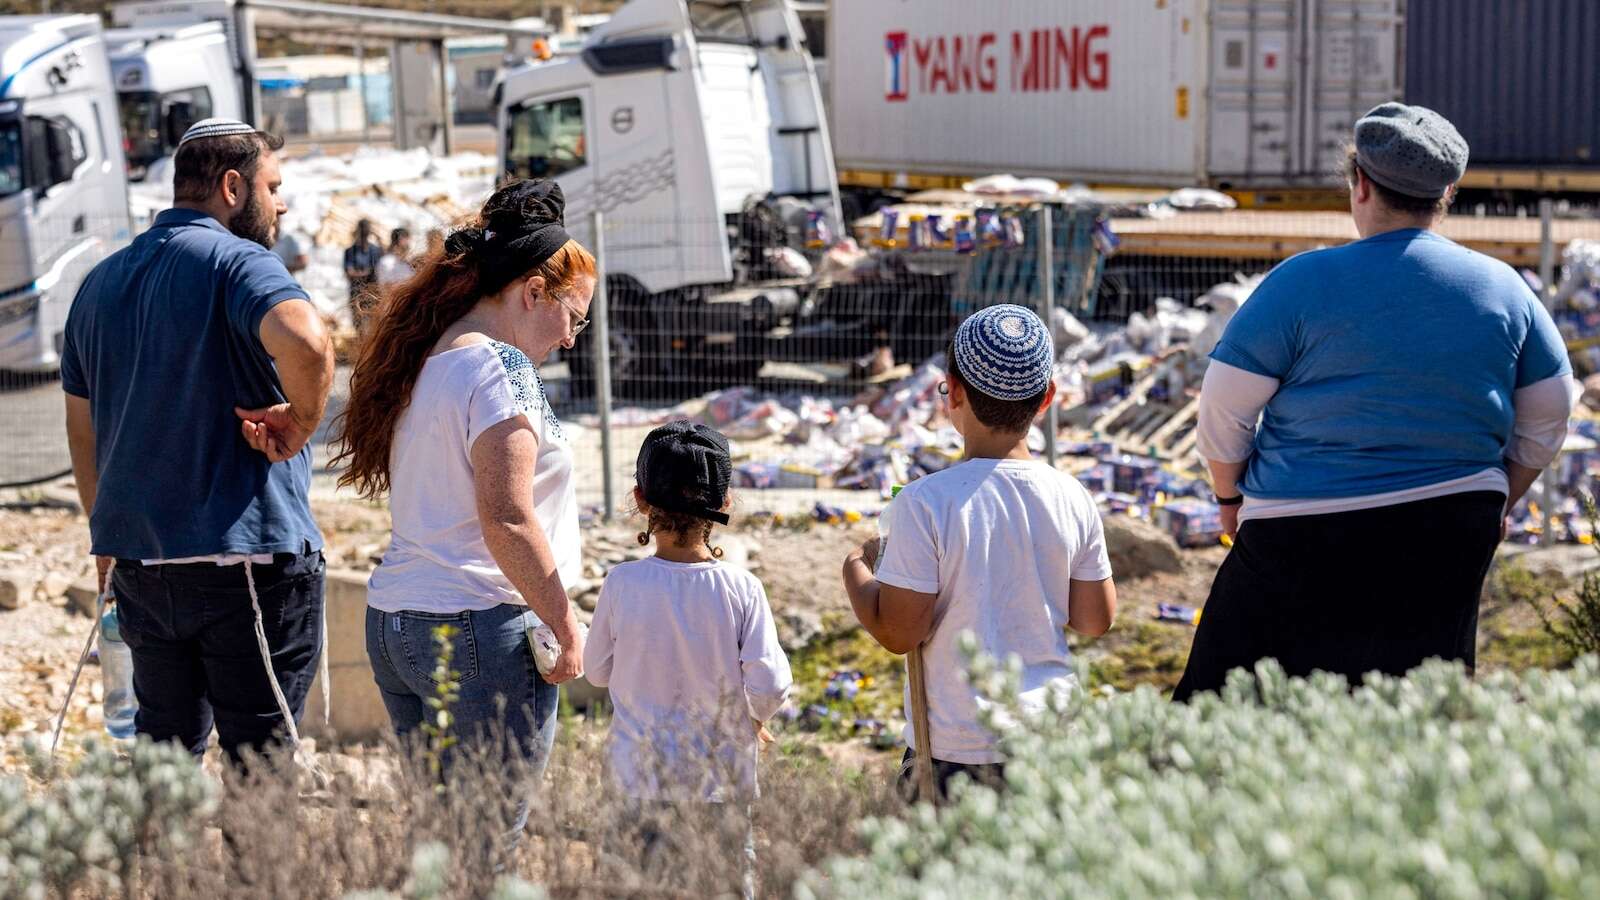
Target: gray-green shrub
[
  {"x": 1428, "y": 786},
  {"x": 82, "y": 830}
]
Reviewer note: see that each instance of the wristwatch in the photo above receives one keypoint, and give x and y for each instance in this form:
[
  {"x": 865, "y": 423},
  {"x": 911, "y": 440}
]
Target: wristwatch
[{"x": 1229, "y": 501}]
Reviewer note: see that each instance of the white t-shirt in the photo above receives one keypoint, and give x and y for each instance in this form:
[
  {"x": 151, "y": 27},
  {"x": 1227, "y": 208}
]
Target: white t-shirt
[
  {"x": 392, "y": 269},
  {"x": 999, "y": 542},
  {"x": 437, "y": 560},
  {"x": 691, "y": 656}
]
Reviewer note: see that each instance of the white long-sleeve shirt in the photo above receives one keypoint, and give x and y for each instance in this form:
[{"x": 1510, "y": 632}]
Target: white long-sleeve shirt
[
  {"x": 1231, "y": 401},
  {"x": 691, "y": 656}
]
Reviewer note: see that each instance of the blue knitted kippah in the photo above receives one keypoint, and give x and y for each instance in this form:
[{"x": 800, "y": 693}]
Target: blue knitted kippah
[{"x": 1005, "y": 352}]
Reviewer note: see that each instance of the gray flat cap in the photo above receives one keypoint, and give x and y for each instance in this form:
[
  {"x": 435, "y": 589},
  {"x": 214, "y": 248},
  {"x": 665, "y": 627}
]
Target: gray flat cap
[{"x": 1410, "y": 149}]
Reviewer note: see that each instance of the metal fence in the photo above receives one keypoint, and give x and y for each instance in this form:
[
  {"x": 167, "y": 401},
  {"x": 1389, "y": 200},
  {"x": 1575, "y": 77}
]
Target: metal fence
[
  {"x": 771, "y": 315},
  {"x": 754, "y": 305}
]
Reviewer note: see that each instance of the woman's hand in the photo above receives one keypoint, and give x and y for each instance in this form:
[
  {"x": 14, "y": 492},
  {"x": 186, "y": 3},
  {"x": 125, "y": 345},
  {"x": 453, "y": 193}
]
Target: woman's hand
[
  {"x": 569, "y": 664},
  {"x": 1230, "y": 521}
]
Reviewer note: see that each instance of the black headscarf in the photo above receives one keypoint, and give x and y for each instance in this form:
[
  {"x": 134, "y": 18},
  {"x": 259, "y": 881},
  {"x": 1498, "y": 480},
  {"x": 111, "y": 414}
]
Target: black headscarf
[{"x": 522, "y": 228}]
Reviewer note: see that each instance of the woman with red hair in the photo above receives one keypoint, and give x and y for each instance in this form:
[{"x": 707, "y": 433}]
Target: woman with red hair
[{"x": 448, "y": 416}]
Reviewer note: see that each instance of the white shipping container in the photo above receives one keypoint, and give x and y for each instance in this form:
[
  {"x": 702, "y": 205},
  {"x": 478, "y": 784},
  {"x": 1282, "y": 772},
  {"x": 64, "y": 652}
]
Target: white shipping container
[{"x": 1232, "y": 93}]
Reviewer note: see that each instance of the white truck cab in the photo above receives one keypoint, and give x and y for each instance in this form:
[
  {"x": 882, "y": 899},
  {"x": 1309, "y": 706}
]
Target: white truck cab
[
  {"x": 168, "y": 78},
  {"x": 63, "y": 197},
  {"x": 672, "y": 120}
]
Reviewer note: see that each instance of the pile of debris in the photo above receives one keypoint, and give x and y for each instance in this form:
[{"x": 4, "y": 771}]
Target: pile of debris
[{"x": 1127, "y": 413}]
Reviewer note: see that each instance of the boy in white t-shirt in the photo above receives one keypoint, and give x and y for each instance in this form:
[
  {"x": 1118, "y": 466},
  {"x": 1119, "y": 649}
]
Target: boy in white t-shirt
[
  {"x": 687, "y": 645},
  {"x": 999, "y": 545}
]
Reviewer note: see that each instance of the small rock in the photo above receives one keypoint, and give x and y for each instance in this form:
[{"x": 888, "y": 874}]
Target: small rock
[
  {"x": 586, "y": 594},
  {"x": 55, "y": 585},
  {"x": 633, "y": 553},
  {"x": 1138, "y": 548},
  {"x": 83, "y": 594},
  {"x": 797, "y": 628},
  {"x": 594, "y": 570},
  {"x": 16, "y": 588},
  {"x": 614, "y": 558}
]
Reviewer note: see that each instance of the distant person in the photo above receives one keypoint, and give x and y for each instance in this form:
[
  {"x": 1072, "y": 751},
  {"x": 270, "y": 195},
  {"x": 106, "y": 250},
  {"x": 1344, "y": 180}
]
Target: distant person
[
  {"x": 1408, "y": 392},
  {"x": 435, "y": 245},
  {"x": 361, "y": 269},
  {"x": 1000, "y": 545},
  {"x": 196, "y": 371},
  {"x": 448, "y": 417},
  {"x": 395, "y": 265},
  {"x": 294, "y": 249},
  {"x": 687, "y": 645}
]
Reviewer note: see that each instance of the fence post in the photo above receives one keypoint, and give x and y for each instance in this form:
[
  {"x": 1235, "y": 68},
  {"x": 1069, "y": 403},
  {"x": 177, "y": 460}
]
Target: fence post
[
  {"x": 1047, "y": 302},
  {"x": 1547, "y": 275},
  {"x": 600, "y": 314}
]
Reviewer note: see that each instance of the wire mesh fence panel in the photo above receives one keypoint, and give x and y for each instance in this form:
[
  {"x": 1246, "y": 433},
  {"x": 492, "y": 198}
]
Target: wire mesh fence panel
[
  {"x": 46, "y": 249},
  {"x": 796, "y": 338}
]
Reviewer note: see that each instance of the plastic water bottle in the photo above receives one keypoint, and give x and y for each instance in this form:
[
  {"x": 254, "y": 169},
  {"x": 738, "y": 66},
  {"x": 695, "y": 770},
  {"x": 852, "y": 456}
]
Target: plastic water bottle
[
  {"x": 116, "y": 667},
  {"x": 883, "y": 528}
]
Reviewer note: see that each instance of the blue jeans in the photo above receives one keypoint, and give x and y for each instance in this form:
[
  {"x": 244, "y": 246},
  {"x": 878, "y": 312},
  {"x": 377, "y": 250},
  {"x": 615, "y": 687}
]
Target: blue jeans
[{"x": 501, "y": 692}]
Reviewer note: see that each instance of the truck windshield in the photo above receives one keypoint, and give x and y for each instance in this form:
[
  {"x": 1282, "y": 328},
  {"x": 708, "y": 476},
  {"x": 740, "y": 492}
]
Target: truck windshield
[
  {"x": 11, "y": 169},
  {"x": 152, "y": 123},
  {"x": 141, "y": 128}
]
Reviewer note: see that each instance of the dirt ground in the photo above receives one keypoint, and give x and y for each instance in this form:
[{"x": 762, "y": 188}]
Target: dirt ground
[{"x": 798, "y": 560}]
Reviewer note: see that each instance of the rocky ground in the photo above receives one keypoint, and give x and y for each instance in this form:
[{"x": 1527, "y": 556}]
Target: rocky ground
[{"x": 848, "y": 689}]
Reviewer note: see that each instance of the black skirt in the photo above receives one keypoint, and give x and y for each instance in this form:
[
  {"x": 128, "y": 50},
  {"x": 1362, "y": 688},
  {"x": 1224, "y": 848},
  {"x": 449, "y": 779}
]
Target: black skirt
[{"x": 1355, "y": 592}]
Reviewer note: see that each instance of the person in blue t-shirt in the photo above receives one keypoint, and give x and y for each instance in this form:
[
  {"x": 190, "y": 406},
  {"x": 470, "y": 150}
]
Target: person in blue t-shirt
[
  {"x": 1408, "y": 392},
  {"x": 196, "y": 371}
]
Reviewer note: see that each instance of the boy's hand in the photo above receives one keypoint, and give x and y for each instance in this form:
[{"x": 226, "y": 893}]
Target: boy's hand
[
  {"x": 867, "y": 553},
  {"x": 762, "y": 734}
]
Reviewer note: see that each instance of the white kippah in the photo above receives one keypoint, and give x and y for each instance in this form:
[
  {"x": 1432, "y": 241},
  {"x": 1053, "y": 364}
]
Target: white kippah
[{"x": 209, "y": 128}]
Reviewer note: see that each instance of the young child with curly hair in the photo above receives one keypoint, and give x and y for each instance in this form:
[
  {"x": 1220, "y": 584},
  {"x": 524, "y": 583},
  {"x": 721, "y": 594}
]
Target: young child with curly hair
[{"x": 687, "y": 646}]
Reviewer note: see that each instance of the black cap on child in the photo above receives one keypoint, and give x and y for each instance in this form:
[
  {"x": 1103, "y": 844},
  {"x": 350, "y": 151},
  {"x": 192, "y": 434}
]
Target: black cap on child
[{"x": 684, "y": 467}]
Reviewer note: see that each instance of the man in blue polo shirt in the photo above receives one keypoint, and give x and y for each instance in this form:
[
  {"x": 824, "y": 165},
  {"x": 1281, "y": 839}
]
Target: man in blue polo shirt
[{"x": 196, "y": 372}]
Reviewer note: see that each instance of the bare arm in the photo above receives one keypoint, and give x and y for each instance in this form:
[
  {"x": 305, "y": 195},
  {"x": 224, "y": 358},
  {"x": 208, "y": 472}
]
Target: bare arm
[
  {"x": 296, "y": 339},
  {"x": 1521, "y": 478},
  {"x": 1225, "y": 483},
  {"x": 1091, "y": 606},
  {"x": 80, "y": 446},
  {"x": 897, "y": 618},
  {"x": 502, "y": 472},
  {"x": 85, "y": 471}
]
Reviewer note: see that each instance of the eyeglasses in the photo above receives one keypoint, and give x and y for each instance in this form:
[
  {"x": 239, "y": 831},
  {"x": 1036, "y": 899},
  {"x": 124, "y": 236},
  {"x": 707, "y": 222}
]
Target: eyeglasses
[{"x": 578, "y": 322}]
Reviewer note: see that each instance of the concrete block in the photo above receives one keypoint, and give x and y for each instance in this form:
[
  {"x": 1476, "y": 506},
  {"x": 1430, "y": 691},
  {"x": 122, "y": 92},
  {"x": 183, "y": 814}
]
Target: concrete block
[
  {"x": 356, "y": 711},
  {"x": 346, "y": 596},
  {"x": 356, "y": 708},
  {"x": 16, "y": 588}
]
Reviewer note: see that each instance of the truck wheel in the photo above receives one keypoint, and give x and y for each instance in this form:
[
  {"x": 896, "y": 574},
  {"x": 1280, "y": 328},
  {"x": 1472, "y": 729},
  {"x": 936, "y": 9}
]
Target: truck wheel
[{"x": 627, "y": 363}]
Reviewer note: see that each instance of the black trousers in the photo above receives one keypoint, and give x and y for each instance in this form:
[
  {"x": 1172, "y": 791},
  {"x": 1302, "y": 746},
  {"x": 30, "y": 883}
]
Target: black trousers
[
  {"x": 991, "y": 775},
  {"x": 195, "y": 658},
  {"x": 1374, "y": 590}
]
